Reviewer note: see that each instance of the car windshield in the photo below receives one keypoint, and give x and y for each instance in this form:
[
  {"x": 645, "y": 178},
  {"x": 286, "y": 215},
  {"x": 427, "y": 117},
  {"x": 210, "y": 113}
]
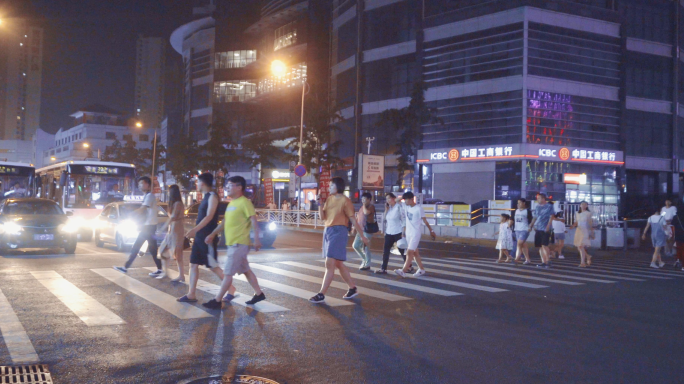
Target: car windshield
[
  {"x": 127, "y": 209},
  {"x": 32, "y": 208}
]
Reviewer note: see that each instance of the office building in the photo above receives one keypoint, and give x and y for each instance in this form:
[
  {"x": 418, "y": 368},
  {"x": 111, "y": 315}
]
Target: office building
[
  {"x": 149, "y": 80},
  {"x": 21, "y": 69},
  {"x": 530, "y": 94}
]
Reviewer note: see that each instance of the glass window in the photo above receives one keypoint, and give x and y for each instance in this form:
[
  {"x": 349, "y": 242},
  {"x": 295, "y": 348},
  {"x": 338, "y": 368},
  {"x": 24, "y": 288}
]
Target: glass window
[
  {"x": 127, "y": 137},
  {"x": 110, "y": 135},
  {"x": 143, "y": 137},
  {"x": 234, "y": 90},
  {"x": 285, "y": 36},
  {"x": 292, "y": 78},
  {"x": 234, "y": 59},
  {"x": 32, "y": 208}
]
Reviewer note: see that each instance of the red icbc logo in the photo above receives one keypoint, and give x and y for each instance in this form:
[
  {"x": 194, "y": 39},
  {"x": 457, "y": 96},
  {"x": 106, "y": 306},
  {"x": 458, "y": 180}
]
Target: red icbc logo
[
  {"x": 453, "y": 155},
  {"x": 564, "y": 154}
]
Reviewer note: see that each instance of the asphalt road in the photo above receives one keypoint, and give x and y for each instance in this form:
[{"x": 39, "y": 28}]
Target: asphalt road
[{"x": 468, "y": 320}]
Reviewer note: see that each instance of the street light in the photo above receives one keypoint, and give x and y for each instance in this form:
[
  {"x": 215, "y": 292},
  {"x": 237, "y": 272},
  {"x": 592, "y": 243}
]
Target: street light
[
  {"x": 52, "y": 158},
  {"x": 139, "y": 124},
  {"x": 86, "y": 145},
  {"x": 279, "y": 69}
]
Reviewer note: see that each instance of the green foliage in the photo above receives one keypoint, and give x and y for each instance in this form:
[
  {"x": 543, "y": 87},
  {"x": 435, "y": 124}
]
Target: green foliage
[
  {"x": 407, "y": 122},
  {"x": 129, "y": 153},
  {"x": 259, "y": 149},
  {"x": 183, "y": 161}
]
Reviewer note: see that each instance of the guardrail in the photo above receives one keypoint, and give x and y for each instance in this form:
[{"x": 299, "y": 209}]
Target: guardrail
[{"x": 290, "y": 218}]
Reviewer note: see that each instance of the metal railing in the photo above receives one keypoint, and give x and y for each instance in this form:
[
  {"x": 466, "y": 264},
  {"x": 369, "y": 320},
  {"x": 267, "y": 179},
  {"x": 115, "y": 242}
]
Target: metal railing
[{"x": 290, "y": 218}]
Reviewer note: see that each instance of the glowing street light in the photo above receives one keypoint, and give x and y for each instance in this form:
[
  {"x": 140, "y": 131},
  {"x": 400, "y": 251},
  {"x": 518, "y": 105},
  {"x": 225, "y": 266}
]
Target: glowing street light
[
  {"x": 86, "y": 145},
  {"x": 278, "y": 68},
  {"x": 53, "y": 158},
  {"x": 139, "y": 124}
]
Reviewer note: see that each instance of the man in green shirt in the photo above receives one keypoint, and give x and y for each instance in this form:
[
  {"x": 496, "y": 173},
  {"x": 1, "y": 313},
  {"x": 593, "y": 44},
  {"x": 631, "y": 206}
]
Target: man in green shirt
[{"x": 238, "y": 221}]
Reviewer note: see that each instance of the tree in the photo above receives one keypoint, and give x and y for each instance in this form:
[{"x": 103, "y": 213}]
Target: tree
[
  {"x": 145, "y": 160},
  {"x": 129, "y": 153},
  {"x": 320, "y": 146},
  {"x": 185, "y": 161},
  {"x": 408, "y": 122},
  {"x": 259, "y": 150},
  {"x": 219, "y": 152}
]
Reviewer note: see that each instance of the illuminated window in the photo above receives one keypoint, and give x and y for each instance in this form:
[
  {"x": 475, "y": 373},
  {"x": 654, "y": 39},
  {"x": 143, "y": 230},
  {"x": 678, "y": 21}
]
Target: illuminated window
[
  {"x": 292, "y": 78},
  {"x": 234, "y": 59},
  {"x": 232, "y": 91},
  {"x": 285, "y": 36}
]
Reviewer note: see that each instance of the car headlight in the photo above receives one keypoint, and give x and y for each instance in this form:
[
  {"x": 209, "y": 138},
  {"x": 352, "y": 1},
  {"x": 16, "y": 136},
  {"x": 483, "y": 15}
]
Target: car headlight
[
  {"x": 69, "y": 227},
  {"x": 128, "y": 228},
  {"x": 272, "y": 226},
  {"x": 12, "y": 228}
]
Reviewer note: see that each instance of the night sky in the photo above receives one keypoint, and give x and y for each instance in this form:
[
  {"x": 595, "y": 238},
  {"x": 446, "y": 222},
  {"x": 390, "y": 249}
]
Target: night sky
[{"x": 89, "y": 49}]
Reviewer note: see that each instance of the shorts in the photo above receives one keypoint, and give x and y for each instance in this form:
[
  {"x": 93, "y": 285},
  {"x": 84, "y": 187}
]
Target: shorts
[
  {"x": 413, "y": 239},
  {"x": 522, "y": 235},
  {"x": 236, "y": 260},
  {"x": 200, "y": 252},
  {"x": 559, "y": 236},
  {"x": 541, "y": 238},
  {"x": 335, "y": 240}
]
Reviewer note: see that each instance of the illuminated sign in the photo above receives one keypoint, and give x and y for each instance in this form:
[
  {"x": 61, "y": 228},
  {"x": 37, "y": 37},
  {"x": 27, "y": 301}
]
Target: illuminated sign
[
  {"x": 102, "y": 170},
  {"x": 8, "y": 170},
  {"x": 134, "y": 198},
  {"x": 564, "y": 154},
  {"x": 487, "y": 152},
  {"x": 573, "y": 178},
  {"x": 520, "y": 151},
  {"x": 453, "y": 155},
  {"x": 581, "y": 154},
  {"x": 280, "y": 174},
  {"x": 548, "y": 152}
]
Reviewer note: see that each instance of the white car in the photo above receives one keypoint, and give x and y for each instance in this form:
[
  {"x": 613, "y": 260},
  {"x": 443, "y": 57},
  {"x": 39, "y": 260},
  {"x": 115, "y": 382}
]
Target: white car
[{"x": 115, "y": 226}]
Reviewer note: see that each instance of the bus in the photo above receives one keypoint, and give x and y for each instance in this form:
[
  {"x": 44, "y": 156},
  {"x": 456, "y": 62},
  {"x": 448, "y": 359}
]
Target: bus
[
  {"x": 16, "y": 179},
  {"x": 85, "y": 187}
]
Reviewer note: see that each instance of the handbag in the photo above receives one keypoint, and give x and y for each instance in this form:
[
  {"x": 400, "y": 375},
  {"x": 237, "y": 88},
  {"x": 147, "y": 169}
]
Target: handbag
[
  {"x": 186, "y": 243},
  {"x": 372, "y": 227}
]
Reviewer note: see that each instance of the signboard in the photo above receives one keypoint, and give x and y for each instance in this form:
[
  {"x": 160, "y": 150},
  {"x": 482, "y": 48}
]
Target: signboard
[
  {"x": 300, "y": 170},
  {"x": 268, "y": 190},
  {"x": 496, "y": 208},
  {"x": 101, "y": 170},
  {"x": 292, "y": 188},
  {"x": 371, "y": 172},
  {"x": 324, "y": 183},
  {"x": 573, "y": 178},
  {"x": 521, "y": 151}
]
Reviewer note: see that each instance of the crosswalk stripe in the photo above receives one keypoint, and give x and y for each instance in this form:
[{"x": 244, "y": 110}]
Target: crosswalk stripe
[
  {"x": 89, "y": 310},
  {"x": 240, "y": 298},
  {"x": 356, "y": 276},
  {"x": 294, "y": 291},
  {"x": 555, "y": 270},
  {"x": 161, "y": 299},
  {"x": 16, "y": 340},
  {"x": 474, "y": 277},
  {"x": 594, "y": 268},
  {"x": 460, "y": 264},
  {"x": 335, "y": 284},
  {"x": 645, "y": 268}
]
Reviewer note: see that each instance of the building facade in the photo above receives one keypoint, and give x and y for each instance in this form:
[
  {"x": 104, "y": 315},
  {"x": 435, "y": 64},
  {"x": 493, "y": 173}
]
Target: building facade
[
  {"x": 95, "y": 128},
  {"x": 149, "y": 80},
  {"x": 529, "y": 94},
  {"x": 21, "y": 70}
]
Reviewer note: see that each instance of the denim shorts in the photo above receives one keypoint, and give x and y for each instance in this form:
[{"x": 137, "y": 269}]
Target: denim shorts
[{"x": 522, "y": 235}]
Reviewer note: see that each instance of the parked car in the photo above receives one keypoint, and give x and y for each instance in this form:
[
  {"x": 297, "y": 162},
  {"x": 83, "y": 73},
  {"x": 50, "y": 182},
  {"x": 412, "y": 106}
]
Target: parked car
[
  {"x": 267, "y": 230},
  {"x": 35, "y": 223},
  {"x": 116, "y": 226}
]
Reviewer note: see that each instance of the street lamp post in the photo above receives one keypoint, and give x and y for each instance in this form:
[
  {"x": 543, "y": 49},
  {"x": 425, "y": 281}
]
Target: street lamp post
[{"x": 154, "y": 146}]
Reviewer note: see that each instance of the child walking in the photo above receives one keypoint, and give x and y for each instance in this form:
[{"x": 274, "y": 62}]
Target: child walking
[
  {"x": 558, "y": 225},
  {"x": 505, "y": 242}
]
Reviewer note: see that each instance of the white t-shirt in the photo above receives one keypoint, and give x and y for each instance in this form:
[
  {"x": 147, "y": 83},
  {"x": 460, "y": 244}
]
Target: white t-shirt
[
  {"x": 669, "y": 213},
  {"x": 558, "y": 226},
  {"x": 150, "y": 201},
  {"x": 655, "y": 219},
  {"x": 521, "y": 222},
  {"x": 395, "y": 218},
  {"x": 414, "y": 219}
]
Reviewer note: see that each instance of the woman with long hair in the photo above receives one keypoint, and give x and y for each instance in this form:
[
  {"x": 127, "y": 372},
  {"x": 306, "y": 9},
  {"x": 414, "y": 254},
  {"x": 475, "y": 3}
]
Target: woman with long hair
[
  {"x": 584, "y": 233},
  {"x": 176, "y": 234}
]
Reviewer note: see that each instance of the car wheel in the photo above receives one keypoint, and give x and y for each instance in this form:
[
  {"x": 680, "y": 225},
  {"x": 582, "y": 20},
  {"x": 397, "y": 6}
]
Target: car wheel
[
  {"x": 120, "y": 246},
  {"x": 268, "y": 240},
  {"x": 98, "y": 242},
  {"x": 71, "y": 248}
]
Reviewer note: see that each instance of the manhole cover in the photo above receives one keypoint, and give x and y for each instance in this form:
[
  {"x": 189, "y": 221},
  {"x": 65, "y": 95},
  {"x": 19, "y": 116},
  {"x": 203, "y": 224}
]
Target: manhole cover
[
  {"x": 36, "y": 374},
  {"x": 228, "y": 379}
]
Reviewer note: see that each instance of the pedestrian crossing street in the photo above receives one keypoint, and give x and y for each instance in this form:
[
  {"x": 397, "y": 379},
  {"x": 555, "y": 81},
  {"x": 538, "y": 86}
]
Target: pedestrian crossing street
[{"x": 446, "y": 277}]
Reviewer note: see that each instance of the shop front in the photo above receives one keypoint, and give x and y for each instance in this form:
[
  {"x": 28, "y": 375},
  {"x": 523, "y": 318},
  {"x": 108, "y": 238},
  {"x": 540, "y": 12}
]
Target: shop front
[{"x": 508, "y": 172}]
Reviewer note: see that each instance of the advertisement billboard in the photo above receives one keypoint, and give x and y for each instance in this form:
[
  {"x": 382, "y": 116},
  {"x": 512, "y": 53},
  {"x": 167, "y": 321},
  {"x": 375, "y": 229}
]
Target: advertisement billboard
[
  {"x": 372, "y": 172},
  {"x": 268, "y": 190}
]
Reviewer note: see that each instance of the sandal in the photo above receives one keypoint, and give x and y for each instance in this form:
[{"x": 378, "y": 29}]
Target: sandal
[
  {"x": 185, "y": 299},
  {"x": 589, "y": 260},
  {"x": 582, "y": 265}
]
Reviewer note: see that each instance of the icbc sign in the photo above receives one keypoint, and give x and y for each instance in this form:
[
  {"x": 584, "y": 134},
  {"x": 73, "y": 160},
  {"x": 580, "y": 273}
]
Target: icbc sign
[
  {"x": 547, "y": 152},
  {"x": 452, "y": 155},
  {"x": 564, "y": 154}
]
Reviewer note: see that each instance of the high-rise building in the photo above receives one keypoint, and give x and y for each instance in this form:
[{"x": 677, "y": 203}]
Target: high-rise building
[
  {"x": 21, "y": 69},
  {"x": 149, "y": 80}
]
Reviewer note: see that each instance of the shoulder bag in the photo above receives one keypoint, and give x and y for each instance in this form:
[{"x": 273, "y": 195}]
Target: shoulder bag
[{"x": 372, "y": 227}]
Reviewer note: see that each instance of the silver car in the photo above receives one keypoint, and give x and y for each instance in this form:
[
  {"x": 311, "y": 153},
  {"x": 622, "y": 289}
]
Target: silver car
[{"x": 115, "y": 226}]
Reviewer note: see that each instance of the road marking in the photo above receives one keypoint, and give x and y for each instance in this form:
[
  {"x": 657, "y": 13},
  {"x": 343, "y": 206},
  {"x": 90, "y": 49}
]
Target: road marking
[
  {"x": 240, "y": 298},
  {"x": 294, "y": 291},
  {"x": 162, "y": 300},
  {"x": 335, "y": 284},
  {"x": 16, "y": 340},
  {"x": 553, "y": 270},
  {"x": 356, "y": 276},
  {"x": 468, "y": 267},
  {"x": 637, "y": 269},
  {"x": 89, "y": 310},
  {"x": 474, "y": 277}
]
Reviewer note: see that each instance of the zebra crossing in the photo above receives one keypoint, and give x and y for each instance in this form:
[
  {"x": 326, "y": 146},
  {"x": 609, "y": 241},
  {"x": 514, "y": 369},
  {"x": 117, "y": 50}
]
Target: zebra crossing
[{"x": 447, "y": 278}]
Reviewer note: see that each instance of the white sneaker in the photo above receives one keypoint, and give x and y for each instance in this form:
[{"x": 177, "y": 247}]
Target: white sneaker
[
  {"x": 561, "y": 257},
  {"x": 400, "y": 272},
  {"x": 654, "y": 265},
  {"x": 419, "y": 273},
  {"x": 155, "y": 273},
  {"x": 661, "y": 264}
]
